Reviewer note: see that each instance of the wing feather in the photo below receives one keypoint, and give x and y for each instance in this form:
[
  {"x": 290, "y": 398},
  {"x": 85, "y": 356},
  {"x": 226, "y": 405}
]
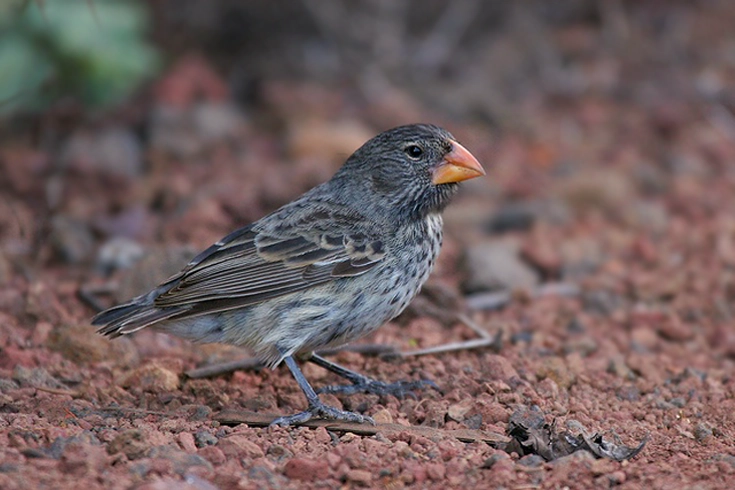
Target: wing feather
[{"x": 250, "y": 265}]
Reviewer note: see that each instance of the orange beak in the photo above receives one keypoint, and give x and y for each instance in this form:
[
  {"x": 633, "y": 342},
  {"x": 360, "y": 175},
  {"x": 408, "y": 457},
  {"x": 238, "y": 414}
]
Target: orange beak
[{"x": 458, "y": 165}]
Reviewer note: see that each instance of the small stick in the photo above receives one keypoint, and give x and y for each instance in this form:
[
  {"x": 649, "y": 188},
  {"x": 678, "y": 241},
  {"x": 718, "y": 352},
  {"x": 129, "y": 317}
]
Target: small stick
[
  {"x": 58, "y": 391},
  {"x": 496, "y": 300},
  {"x": 254, "y": 419},
  {"x": 485, "y": 340},
  {"x": 454, "y": 346}
]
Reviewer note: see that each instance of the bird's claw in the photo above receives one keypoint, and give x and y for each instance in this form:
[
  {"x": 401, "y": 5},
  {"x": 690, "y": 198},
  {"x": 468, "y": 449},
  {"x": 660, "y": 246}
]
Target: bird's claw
[
  {"x": 322, "y": 411},
  {"x": 399, "y": 389}
]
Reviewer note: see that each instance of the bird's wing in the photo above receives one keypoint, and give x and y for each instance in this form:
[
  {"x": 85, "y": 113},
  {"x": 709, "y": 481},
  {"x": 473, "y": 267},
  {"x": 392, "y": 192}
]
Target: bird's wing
[{"x": 254, "y": 263}]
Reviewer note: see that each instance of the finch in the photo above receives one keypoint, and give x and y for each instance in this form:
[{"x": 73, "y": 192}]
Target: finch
[{"x": 321, "y": 271}]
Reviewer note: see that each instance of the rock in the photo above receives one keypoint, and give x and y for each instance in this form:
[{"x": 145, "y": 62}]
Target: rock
[
  {"x": 189, "y": 80},
  {"x": 321, "y": 436},
  {"x": 186, "y": 441},
  {"x": 7, "y": 384},
  {"x": 241, "y": 446},
  {"x": 435, "y": 471},
  {"x": 71, "y": 239},
  {"x": 383, "y": 416},
  {"x": 41, "y": 333},
  {"x": 651, "y": 217},
  {"x": 574, "y": 458},
  {"x": 498, "y": 367},
  {"x": 10, "y": 481},
  {"x": 512, "y": 217},
  {"x": 306, "y": 469},
  {"x": 602, "y": 302},
  {"x": 556, "y": 369},
  {"x": 191, "y": 482},
  {"x": 179, "y": 460},
  {"x": 212, "y": 454},
  {"x": 541, "y": 251},
  {"x": 360, "y": 477},
  {"x": 490, "y": 462},
  {"x": 151, "y": 377},
  {"x": 217, "y": 121},
  {"x": 644, "y": 338},
  {"x": 118, "y": 253},
  {"x": 157, "y": 264},
  {"x": 702, "y": 432},
  {"x": 323, "y": 140},
  {"x": 280, "y": 452},
  {"x": 531, "y": 461},
  {"x": 131, "y": 443},
  {"x": 203, "y": 412},
  {"x": 497, "y": 265},
  {"x": 616, "y": 478},
  {"x": 80, "y": 459},
  {"x": 629, "y": 393},
  {"x": 619, "y": 367},
  {"x": 458, "y": 411},
  {"x": 57, "y": 448},
  {"x": 674, "y": 329},
  {"x": 172, "y": 132},
  {"x": 449, "y": 449},
  {"x": 264, "y": 470},
  {"x": 647, "y": 366},
  {"x": 35, "y": 377},
  {"x": 80, "y": 344},
  {"x": 596, "y": 188},
  {"x": 187, "y": 131},
  {"x": 580, "y": 256},
  {"x": 490, "y": 413},
  {"x": 204, "y": 438},
  {"x": 584, "y": 345},
  {"x": 13, "y": 357},
  {"x": 43, "y": 302},
  {"x": 6, "y": 269},
  {"x": 114, "y": 150},
  {"x": 548, "y": 389}
]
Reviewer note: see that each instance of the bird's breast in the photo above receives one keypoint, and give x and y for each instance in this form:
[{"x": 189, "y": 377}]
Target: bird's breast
[{"x": 416, "y": 250}]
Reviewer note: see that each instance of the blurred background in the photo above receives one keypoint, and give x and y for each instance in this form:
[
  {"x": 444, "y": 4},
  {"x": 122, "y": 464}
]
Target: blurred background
[
  {"x": 134, "y": 123},
  {"x": 135, "y": 133}
]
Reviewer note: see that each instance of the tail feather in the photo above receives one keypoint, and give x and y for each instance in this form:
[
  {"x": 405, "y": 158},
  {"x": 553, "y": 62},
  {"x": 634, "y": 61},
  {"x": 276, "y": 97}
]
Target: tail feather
[{"x": 131, "y": 317}]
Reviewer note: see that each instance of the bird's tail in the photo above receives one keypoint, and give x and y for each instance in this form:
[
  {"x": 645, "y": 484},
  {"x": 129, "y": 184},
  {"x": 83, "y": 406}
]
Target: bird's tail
[{"x": 133, "y": 316}]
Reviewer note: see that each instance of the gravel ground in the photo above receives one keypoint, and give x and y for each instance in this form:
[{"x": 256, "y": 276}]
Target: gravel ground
[{"x": 600, "y": 249}]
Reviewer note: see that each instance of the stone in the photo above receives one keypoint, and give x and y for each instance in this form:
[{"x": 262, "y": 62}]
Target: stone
[
  {"x": 360, "y": 477},
  {"x": 306, "y": 469},
  {"x": 212, "y": 454},
  {"x": 240, "y": 445},
  {"x": 151, "y": 377},
  {"x": 493, "y": 266},
  {"x": 131, "y": 443}
]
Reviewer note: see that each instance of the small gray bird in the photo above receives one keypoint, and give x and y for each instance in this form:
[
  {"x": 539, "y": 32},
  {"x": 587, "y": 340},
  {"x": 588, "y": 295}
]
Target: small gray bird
[{"x": 321, "y": 271}]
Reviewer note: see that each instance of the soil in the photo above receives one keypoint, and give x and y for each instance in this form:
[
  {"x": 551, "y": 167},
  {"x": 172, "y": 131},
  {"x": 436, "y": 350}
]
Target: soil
[{"x": 612, "y": 214}]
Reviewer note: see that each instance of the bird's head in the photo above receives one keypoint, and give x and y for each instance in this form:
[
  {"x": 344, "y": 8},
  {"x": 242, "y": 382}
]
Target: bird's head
[{"x": 412, "y": 170}]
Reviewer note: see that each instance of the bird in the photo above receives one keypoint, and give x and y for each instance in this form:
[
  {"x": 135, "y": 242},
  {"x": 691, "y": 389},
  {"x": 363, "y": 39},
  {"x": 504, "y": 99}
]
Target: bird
[{"x": 321, "y": 271}]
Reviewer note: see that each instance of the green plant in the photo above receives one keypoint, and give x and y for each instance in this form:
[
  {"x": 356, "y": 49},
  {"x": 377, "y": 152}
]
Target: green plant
[{"x": 92, "y": 50}]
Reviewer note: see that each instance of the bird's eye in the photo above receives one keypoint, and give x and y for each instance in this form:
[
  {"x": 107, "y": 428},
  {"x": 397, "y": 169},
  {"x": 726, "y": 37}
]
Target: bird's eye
[{"x": 414, "y": 151}]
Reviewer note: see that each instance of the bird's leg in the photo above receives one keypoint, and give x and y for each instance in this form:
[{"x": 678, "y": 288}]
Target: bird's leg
[
  {"x": 316, "y": 407},
  {"x": 364, "y": 384}
]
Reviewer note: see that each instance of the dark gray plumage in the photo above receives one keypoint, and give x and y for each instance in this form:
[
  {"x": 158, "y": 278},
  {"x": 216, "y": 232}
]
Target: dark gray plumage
[{"x": 323, "y": 270}]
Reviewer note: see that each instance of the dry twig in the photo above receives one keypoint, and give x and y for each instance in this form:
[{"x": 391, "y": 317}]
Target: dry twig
[{"x": 254, "y": 419}]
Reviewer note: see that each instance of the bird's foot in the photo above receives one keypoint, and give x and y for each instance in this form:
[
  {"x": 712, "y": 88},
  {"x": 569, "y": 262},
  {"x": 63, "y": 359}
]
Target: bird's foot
[
  {"x": 399, "y": 389},
  {"x": 322, "y": 411}
]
